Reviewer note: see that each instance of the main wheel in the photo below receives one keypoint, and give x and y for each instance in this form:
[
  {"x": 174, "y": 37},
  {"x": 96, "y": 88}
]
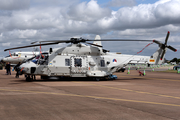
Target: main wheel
[
  {"x": 97, "y": 79},
  {"x": 28, "y": 79},
  {"x": 44, "y": 77}
]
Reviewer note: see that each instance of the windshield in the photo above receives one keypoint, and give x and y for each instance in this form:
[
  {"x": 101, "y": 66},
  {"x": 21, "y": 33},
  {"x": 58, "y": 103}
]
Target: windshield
[
  {"x": 41, "y": 59},
  {"x": 7, "y": 56},
  {"x": 13, "y": 54}
]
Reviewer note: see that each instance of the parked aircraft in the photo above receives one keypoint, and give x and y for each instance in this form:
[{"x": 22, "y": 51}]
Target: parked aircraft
[{"x": 81, "y": 60}]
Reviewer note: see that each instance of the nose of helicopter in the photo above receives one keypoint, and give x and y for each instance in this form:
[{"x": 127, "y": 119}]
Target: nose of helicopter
[
  {"x": 1, "y": 60},
  {"x": 4, "y": 60},
  {"x": 22, "y": 69},
  {"x": 25, "y": 67}
]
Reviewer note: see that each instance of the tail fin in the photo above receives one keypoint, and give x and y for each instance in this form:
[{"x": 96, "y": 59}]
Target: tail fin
[
  {"x": 157, "y": 56},
  {"x": 97, "y": 42}
]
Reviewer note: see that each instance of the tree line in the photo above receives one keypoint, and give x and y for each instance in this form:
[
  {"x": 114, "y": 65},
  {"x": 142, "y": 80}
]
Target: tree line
[{"x": 174, "y": 60}]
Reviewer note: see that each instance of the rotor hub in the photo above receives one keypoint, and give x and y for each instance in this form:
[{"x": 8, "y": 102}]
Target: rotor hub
[
  {"x": 76, "y": 40},
  {"x": 163, "y": 46}
]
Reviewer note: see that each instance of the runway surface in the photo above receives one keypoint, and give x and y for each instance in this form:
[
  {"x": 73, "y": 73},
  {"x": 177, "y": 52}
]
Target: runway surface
[{"x": 155, "y": 96}]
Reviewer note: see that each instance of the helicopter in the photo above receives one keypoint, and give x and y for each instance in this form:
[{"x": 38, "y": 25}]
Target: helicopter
[
  {"x": 16, "y": 57},
  {"x": 81, "y": 60}
]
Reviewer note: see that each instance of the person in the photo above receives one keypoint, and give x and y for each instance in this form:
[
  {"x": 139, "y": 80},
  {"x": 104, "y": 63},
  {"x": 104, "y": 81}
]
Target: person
[
  {"x": 17, "y": 69},
  {"x": 8, "y": 68}
]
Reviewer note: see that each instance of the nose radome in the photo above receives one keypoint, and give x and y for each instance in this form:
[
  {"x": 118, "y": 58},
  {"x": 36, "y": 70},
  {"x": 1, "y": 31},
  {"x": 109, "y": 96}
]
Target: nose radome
[{"x": 1, "y": 60}]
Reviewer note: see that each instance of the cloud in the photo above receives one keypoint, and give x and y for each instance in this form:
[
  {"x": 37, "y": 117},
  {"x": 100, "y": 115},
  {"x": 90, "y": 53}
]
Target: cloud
[
  {"x": 14, "y": 4},
  {"x": 54, "y": 3},
  {"x": 6, "y": 44},
  {"x": 169, "y": 11},
  {"x": 87, "y": 12},
  {"x": 32, "y": 19},
  {"x": 91, "y": 18},
  {"x": 53, "y": 20},
  {"x": 120, "y": 3},
  {"x": 144, "y": 16}
]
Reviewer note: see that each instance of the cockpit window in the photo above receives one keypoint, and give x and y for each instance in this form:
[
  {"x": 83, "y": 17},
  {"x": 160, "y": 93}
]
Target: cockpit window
[
  {"x": 41, "y": 59},
  {"x": 7, "y": 56},
  {"x": 12, "y": 55},
  {"x": 38, "y": 57}
]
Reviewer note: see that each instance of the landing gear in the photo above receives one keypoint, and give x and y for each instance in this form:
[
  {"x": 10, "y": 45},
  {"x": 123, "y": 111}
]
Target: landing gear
[
  {"x": 44, "y": 77},
  {"x": 95, "y": 79},
  {"x": 30, "y": 78}
]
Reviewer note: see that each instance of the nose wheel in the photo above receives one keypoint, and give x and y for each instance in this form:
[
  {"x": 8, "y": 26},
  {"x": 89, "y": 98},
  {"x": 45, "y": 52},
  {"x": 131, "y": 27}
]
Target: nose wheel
[{"x": 30, "y": 78}]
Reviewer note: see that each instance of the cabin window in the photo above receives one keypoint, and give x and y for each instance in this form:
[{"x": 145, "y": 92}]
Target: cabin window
[
  {"x": 78, "y": 62},
  {"x": 102, "y": 63},
  {"x": 67, "y": 62}
]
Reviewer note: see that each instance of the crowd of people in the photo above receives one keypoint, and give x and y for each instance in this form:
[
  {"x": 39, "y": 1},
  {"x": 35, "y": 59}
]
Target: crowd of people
[{"x": 16, "y": 68}]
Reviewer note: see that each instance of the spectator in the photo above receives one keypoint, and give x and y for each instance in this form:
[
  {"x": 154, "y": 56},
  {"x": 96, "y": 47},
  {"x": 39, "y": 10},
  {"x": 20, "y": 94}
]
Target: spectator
[
  {"x": 17, "y": 70},
  {"x": 8, "y": 68}
]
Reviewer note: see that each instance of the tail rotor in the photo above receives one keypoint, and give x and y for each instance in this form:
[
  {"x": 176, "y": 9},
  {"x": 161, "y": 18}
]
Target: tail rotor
[{"x": 164, "y": 46}]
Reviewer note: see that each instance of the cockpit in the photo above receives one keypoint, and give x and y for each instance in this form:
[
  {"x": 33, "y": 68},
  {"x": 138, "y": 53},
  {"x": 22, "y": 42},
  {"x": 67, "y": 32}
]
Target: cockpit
[
  {"x": 13, "y": 54},
  {"x": 41, "y": 59}
]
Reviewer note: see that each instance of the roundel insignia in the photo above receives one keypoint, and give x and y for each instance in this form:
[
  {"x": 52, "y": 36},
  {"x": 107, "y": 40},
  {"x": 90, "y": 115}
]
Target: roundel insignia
[
  {"x": 50, "y": 63},
  {"x": 114, "y": 61}
]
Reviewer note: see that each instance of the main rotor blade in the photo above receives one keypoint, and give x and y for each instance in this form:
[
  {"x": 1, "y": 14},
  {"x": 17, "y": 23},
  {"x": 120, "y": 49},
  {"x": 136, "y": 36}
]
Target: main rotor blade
[
  {"x": 157, "y": 42},
  {"x": 94, "y": 44},
  {"x": 167, "y": 36},
  {"x": 121, "y": 40},
  {"x": 84, "y": 40},
  {"x": 171, "y": 48},
  {"x": 163, "y": 54},
  {"x": 30, "y": 46},
  {"x": 51, "y": 41}
]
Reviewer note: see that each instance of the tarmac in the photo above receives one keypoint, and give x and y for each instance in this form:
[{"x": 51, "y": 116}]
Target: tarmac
[{"x": 155, "y": 96}]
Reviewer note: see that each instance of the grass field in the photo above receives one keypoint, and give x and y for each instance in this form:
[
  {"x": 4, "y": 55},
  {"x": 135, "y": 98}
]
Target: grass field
[{"x": 169, "y": 71}]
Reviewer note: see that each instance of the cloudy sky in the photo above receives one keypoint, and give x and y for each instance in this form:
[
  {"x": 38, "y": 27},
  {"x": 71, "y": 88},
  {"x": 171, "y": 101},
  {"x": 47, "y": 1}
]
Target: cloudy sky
[{"x": 25, "y": 21}]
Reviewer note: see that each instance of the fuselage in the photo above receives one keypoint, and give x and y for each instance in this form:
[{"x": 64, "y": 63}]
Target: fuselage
[
  {"x": 79, "y": 60},
  {"x": 17, "y": 57}
]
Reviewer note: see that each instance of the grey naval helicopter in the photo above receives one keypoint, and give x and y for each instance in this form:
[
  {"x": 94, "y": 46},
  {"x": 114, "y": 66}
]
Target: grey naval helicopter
[{"x": 80, "y": 60}]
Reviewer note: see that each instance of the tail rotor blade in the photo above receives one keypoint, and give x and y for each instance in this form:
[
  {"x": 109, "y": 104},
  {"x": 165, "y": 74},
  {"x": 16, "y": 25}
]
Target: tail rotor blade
[
  {"x": 167, "y": 36},
  {"x": 171, "y": 48},
  {"x": 163, "y": 54},
  {"x": 157, "y": 42}
]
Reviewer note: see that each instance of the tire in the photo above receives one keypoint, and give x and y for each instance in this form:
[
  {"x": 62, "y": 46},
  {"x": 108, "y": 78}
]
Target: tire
[
  {"x": 45, "y": 77},
  {"x": 28, "y": 79},
  {"x": 97, "y": 79}
]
